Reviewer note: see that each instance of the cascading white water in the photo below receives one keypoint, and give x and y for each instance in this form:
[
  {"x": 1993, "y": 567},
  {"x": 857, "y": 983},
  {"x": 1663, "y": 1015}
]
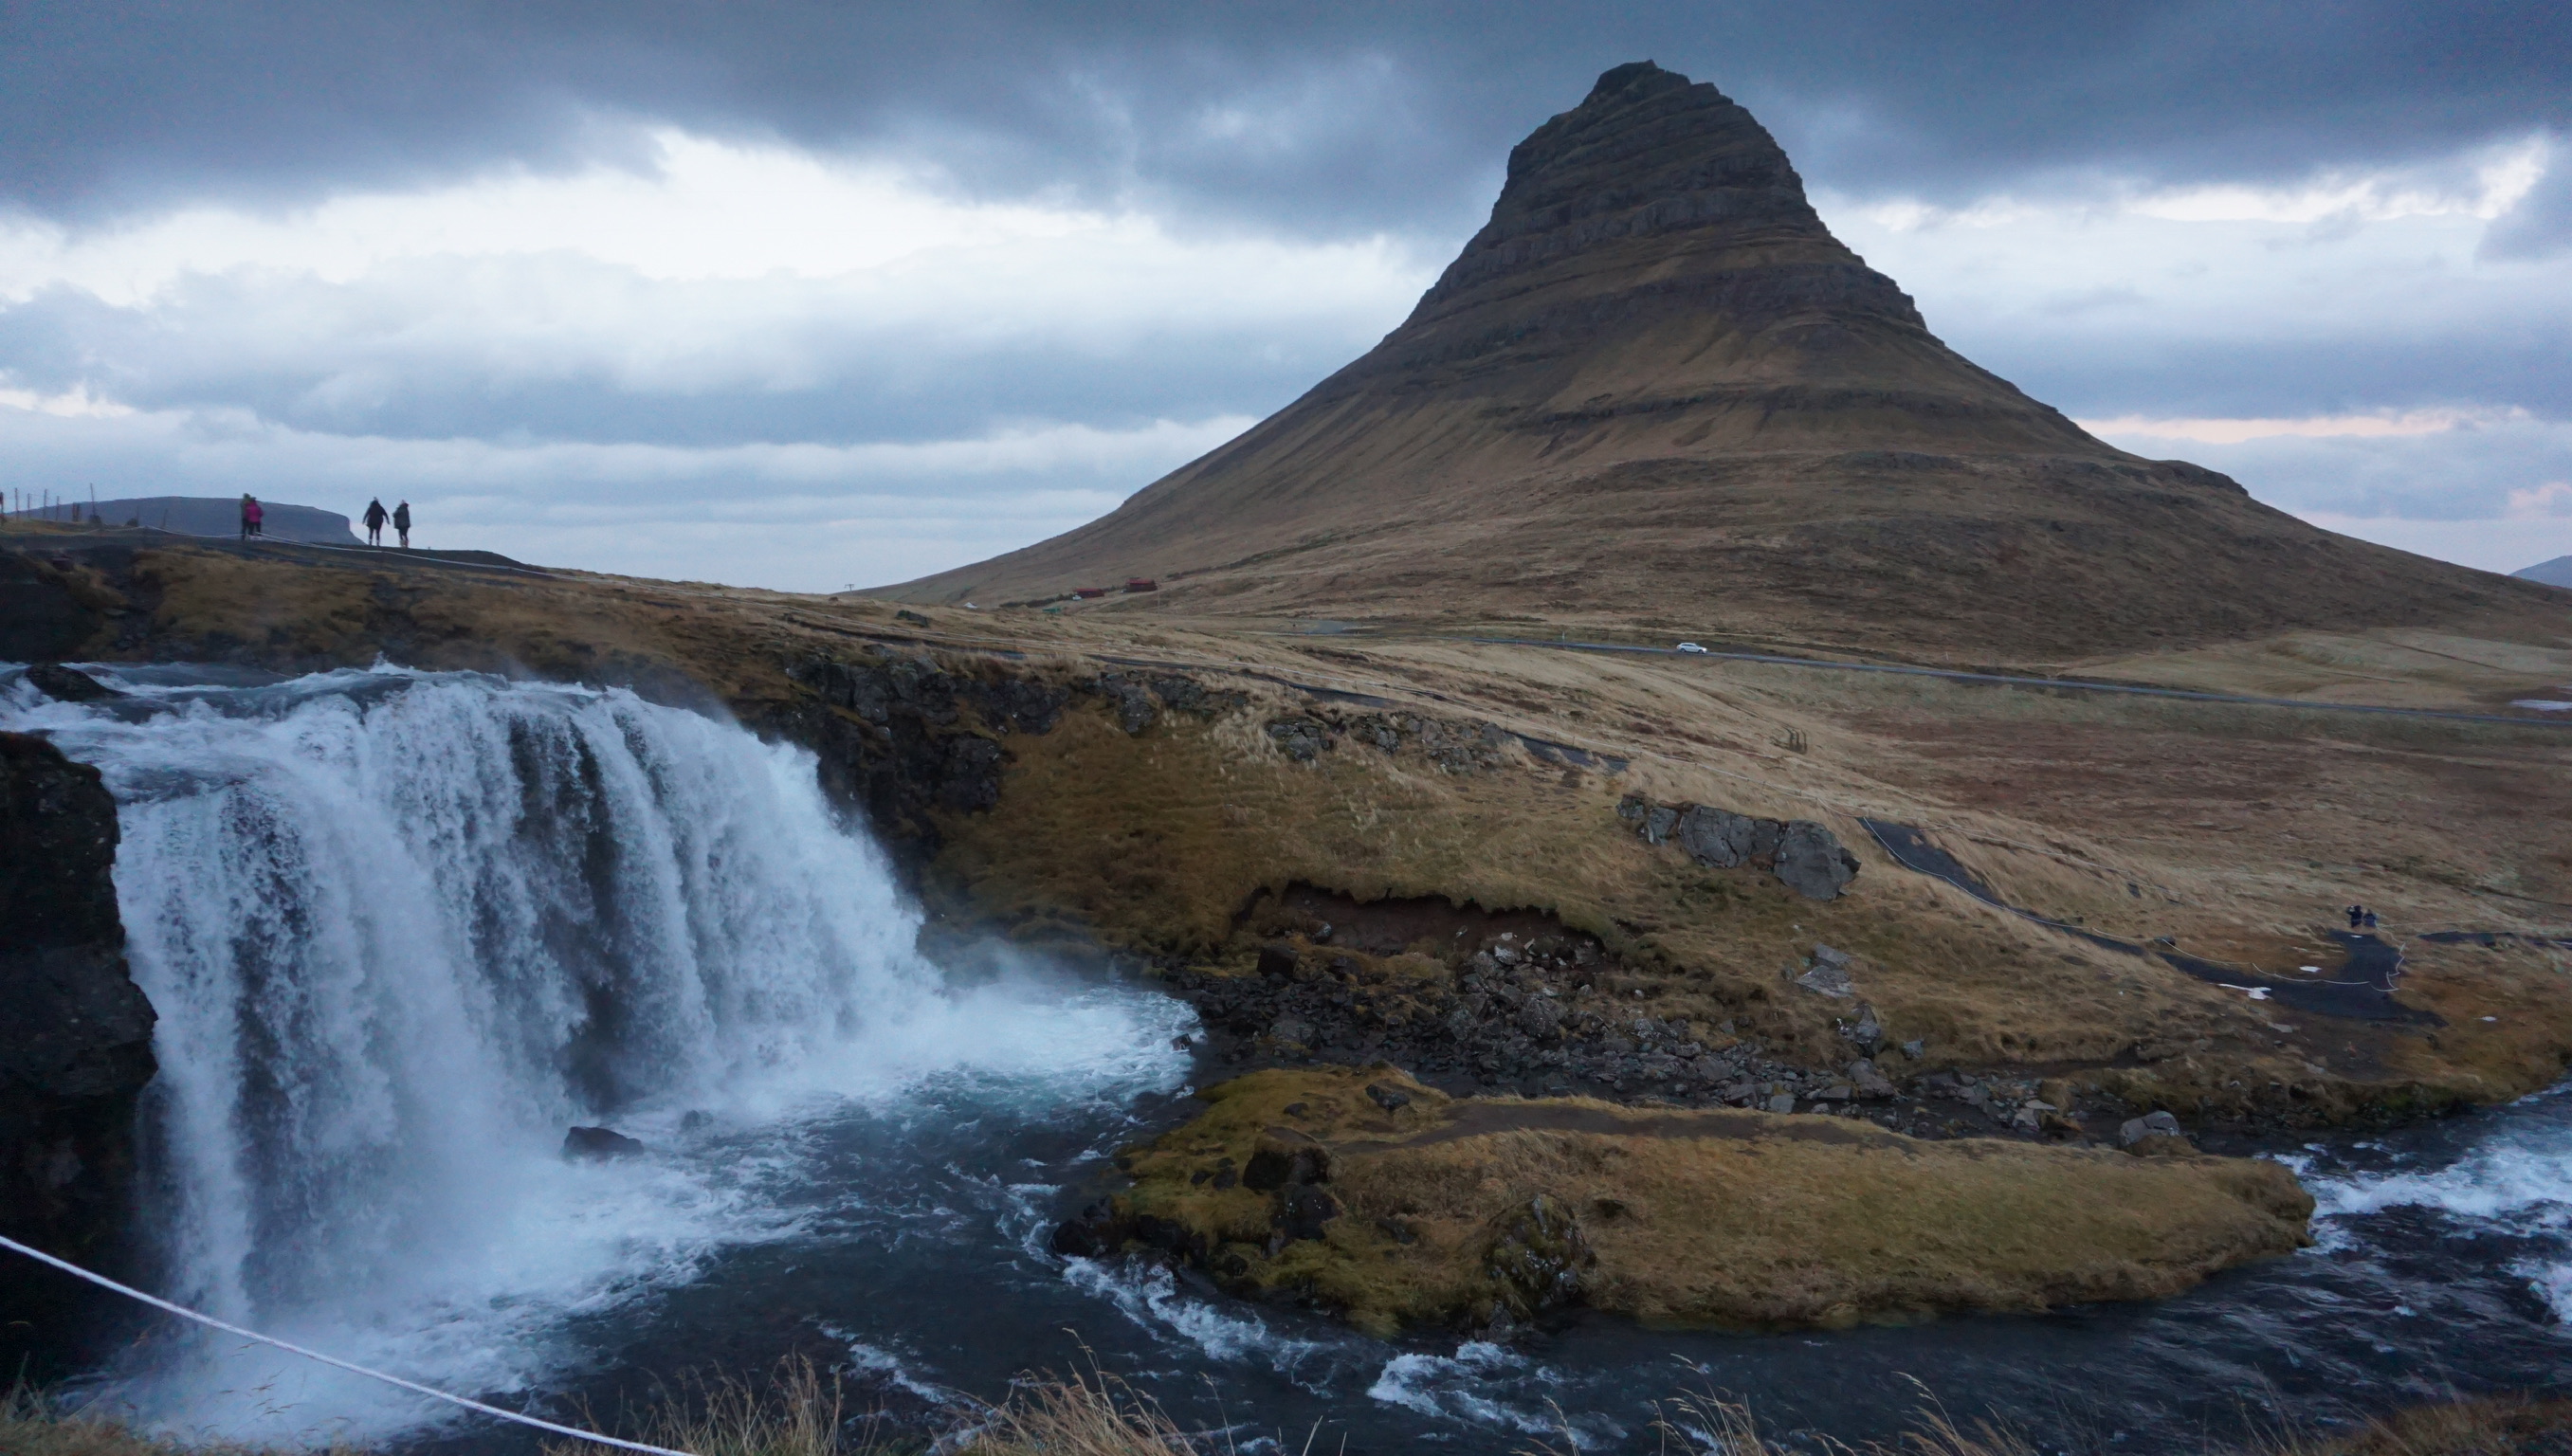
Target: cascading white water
[{"x": 404, "y": 928}]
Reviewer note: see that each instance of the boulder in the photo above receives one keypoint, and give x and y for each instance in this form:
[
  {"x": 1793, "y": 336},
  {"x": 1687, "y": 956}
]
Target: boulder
[
  {"x": 1536, "y": 1259},
  {"x": 1813, "y": 862},
  {"x": 1540, "y": 1019},
  {"x": 1829, "y": 974},
  {"x": 1386, "y": 1097},
  {"x": 1092, "y": 1234},
  {"x": 1866, "y": 1032},
  {"x": 1869, "y": 1083},
  {"x": 590, "y": 1144},
  {"x": 69, "y": 684},
  {"x": 1720, "y": 839},
  {"x": 2152, "y": 1132}
]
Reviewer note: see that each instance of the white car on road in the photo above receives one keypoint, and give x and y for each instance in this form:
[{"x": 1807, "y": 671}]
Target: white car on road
[{"x": 1691, "y": 647}]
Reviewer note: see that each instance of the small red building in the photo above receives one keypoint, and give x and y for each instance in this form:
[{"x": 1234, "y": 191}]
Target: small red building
[
  {"x": 1090, "y": 593},
  {"x": 1141, "y": 584}
]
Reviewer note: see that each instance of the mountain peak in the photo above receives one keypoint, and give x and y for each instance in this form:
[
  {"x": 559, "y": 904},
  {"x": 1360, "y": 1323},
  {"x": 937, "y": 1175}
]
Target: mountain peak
[
  {"x": 1654, "y": 388},
  {"x": 1656, "y": 187},
  {"x": 1633, "y": 79}
]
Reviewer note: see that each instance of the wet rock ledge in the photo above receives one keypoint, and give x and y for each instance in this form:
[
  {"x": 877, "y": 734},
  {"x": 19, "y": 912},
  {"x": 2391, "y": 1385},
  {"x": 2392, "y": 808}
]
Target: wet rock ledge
[{"x": 77, "y": 1049}]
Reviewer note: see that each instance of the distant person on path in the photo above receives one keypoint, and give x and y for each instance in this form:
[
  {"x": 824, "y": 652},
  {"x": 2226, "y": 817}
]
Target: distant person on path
[
  {"x": 402, "y": 523},
  {"x": 2356, "y": 916},
  {"x": 2370, "y": 919},
  {"x": 376, "y": 520},
  {"x": 251, "y": 516}
]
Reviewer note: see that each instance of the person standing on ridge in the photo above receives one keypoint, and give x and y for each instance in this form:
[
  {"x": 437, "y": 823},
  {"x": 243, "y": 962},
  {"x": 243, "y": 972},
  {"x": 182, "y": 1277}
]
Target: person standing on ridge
[
  {"x": 402, "y": 523},
  {"x": 251, "y": 516},
  {"x": 375, "y": 518}
]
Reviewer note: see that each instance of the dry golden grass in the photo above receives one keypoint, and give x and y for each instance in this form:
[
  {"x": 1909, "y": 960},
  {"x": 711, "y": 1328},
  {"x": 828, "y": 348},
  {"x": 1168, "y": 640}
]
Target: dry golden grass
[
  {"x": 1707, "y": 1424},
  {"x": 2494, "y": 1426},
  {"x": 797, "y": 1411},
  {"x": 1719, "y": 1218},
  {"x": 34, "y": 1424}
]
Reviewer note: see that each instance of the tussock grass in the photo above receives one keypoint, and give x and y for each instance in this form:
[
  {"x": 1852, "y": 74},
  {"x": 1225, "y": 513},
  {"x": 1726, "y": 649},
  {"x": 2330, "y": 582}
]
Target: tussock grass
[
  {"x": 797, "y": 1410},
  {"x": 1707, "y": 1424},
  {"x": 33, "y": 1422},
  {"x": 2502, "y": 1426}
]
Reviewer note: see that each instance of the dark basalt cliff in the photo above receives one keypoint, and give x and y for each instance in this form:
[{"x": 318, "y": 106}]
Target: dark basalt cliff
[{"x": 78, "y": 1048}]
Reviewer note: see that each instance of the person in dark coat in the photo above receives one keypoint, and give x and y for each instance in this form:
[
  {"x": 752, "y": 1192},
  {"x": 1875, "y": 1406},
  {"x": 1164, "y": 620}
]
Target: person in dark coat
[
  {"x": 375, "y": 518},
  {"x": 402, "y": 523},
  {"x": 251, "y": 516}
]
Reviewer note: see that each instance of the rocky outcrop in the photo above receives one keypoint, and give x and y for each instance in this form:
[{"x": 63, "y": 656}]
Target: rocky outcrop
[
  {"x": 69, "y": 684},
  {"x": 77, "y": 1051},
  {"x": 898, "y": 737},
  {"x": 902, "y": 736},
  {"x": 1457, "y": 747},
  {"x": 1807, "y": 857}
]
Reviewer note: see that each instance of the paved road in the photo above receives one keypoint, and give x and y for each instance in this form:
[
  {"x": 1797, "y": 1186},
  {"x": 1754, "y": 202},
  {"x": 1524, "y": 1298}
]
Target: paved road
[{"x": 2070, "y": 683}]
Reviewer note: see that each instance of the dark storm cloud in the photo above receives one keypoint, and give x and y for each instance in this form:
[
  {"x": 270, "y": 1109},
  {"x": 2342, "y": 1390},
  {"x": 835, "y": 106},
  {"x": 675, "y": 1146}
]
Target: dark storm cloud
[
  {"x": 210, "y": 344},
  {"x": 1315, "y": 117}
]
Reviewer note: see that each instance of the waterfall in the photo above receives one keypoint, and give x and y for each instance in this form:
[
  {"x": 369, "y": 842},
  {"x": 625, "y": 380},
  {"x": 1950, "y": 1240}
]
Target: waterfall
[{"x": 404, "y": 928}]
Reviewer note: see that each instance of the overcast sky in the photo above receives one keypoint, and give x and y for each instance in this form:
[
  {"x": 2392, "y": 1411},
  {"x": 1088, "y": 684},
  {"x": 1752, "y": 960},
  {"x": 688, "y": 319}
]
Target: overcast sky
[{"x": 802, "y": 295}]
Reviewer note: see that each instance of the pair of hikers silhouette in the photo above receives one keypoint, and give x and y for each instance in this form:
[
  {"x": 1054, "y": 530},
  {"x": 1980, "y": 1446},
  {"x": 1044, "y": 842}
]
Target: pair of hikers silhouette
[{"x": 375, "y": 517}]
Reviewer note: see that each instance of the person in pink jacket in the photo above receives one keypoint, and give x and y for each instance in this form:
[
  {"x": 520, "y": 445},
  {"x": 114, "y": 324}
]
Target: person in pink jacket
[{"x": 251, "y": 516}]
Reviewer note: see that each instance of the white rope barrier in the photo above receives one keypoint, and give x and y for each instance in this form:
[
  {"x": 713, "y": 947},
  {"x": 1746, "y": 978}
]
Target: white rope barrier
[{"x": 251, "y": 1334}]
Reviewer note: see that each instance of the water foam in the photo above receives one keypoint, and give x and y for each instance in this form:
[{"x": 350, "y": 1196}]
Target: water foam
[
  {"x": 2517, "y": 1181},
  {"x": 403, "y": 928}
]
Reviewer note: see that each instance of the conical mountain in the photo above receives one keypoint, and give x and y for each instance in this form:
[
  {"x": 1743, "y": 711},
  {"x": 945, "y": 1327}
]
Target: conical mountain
[{"x": 1655, "y": 392}]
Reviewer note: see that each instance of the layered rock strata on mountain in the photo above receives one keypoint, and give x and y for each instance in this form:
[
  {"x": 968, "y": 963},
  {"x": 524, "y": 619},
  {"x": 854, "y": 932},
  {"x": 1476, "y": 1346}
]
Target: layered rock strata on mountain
[
  {"x": 77, "y": 1052},
  {"x": 1654, "y": 388}
]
